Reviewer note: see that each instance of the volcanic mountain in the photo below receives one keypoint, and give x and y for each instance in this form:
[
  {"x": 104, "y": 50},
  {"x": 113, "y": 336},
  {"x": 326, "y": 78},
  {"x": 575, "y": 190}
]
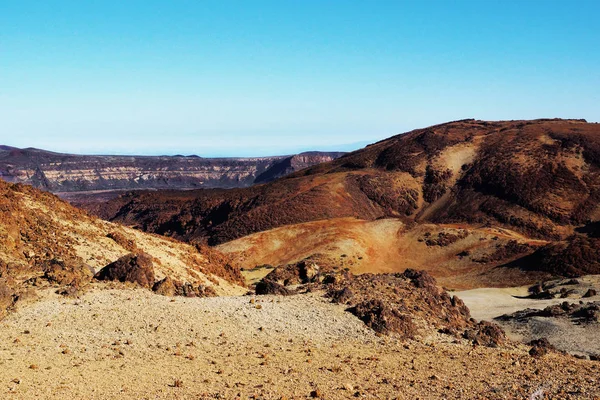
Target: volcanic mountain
[
  {"x": 69, "y": 174},
  {"x": 537, "y": 180}
]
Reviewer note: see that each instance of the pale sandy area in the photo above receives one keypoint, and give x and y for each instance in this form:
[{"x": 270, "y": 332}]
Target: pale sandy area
[
  {"x": 564, "y": 333},
  {"x": 132, "y": 344}
]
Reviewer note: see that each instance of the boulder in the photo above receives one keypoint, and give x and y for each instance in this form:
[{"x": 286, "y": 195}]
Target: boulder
[
  {"x": 267, "y": 286},
  {"x": 486, "y": 334},
  {"x": 133, "y": 267},
  {"x": 540, "y": 347},
  {"x": 590, "y": 293},
  {"x": 341, "y": 296},
  {"x": 165, "y": 287}
]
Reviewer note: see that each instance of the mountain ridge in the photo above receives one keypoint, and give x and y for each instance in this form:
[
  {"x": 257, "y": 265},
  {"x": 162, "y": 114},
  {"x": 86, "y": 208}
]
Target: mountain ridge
[
  {"x": 69, "y": 174},
  {"x": 539, "y": 179}
]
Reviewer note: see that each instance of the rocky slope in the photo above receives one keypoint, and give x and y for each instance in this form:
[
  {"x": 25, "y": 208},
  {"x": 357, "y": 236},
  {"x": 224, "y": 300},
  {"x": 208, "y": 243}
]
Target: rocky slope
[
  {"x": 68, "y": 173},
  {"x": 540, "y": 179},
  {"x": 45, "y": 241}
]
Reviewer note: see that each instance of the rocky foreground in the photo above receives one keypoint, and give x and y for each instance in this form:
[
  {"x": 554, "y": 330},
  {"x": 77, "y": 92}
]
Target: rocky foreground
[{"x": 132, "y": 344}]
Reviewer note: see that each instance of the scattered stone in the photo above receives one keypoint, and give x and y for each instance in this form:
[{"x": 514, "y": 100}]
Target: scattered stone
[
  {"x": 122, "y": 241},
  {"x": 170, "y": 287},
  {"x": 590, "y": 293}
]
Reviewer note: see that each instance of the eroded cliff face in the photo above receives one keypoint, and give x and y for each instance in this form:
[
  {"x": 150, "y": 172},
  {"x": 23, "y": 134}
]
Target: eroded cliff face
[
  {"x": 295, "y": 163},
  {"x": 67, "y": 173}
]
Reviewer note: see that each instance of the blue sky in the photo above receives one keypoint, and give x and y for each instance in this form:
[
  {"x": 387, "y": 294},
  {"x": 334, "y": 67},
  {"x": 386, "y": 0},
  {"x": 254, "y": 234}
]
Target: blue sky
[{"x": 261, "y": 77}]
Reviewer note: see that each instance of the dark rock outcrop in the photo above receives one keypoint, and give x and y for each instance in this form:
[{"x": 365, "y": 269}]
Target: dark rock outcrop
[
  {"x": 485, "y": 334},
  {"x": 403, "y": 303},
  {"x": 305, "y": 271},
  {"x": 267, "y": 286},
  {"x": 590, "y": 293},
  {"x": 134, "y": 267},
  {"x": 383, "y": 318}
]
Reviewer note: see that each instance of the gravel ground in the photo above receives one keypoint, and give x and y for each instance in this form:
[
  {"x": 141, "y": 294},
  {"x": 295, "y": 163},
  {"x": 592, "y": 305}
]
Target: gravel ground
[
  {"x": 131, "y": 344},
  {"x": 567, "y": 335}
]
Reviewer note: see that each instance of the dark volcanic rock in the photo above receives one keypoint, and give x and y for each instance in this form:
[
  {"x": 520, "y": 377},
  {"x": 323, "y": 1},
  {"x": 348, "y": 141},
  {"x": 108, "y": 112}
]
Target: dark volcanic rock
[
  {"x": 590, "y": 293},
  {"x": 341, "y": 296},
  {"x": 540, "y": 347},
  {"x": 577, "y": 312},
  {"x": 399, "y": 303},
  {"x": 133, "y": 267},
  {"x": 305, "y": 271},
  {"x": 267, "y": 286},
  {"x": 384, "y": 319},
  {"x": 576, "y": 256},
  {"x": 486, "y": 334}
]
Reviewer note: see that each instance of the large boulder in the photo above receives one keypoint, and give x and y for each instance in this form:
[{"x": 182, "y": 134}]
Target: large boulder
[
  {"x": 133, "y": 267},
  {"x": 540, "y": 347},
  {"x": 486, "y": 334}
]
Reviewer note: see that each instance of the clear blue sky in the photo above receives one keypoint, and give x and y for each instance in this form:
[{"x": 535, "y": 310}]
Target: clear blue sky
[{"x": 254, "y": 77}]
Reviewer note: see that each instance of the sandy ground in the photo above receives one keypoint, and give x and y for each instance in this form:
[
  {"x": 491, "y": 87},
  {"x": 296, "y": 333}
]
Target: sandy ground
[
  {"x": 485, "y": 304},
  {"x": 131, "y": 344}
]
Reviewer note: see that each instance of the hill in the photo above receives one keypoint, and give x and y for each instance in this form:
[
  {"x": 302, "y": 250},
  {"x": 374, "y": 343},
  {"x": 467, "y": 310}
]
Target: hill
[
  {"x": 45, "y": 241},
  {"x": 540, "y": 179}
]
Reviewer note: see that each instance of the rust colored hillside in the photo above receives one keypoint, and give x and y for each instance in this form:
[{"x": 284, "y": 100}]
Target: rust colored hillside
[
  {"x": 45, "y": 241},
  {"x": 538, "y": 178}
]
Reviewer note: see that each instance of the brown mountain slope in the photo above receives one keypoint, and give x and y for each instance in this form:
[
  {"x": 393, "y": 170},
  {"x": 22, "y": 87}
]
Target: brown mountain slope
[
  {"x": 459, "y": 256},
  {"x": 45, "y": 240},
  {"x": 540, "y": 178}
]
